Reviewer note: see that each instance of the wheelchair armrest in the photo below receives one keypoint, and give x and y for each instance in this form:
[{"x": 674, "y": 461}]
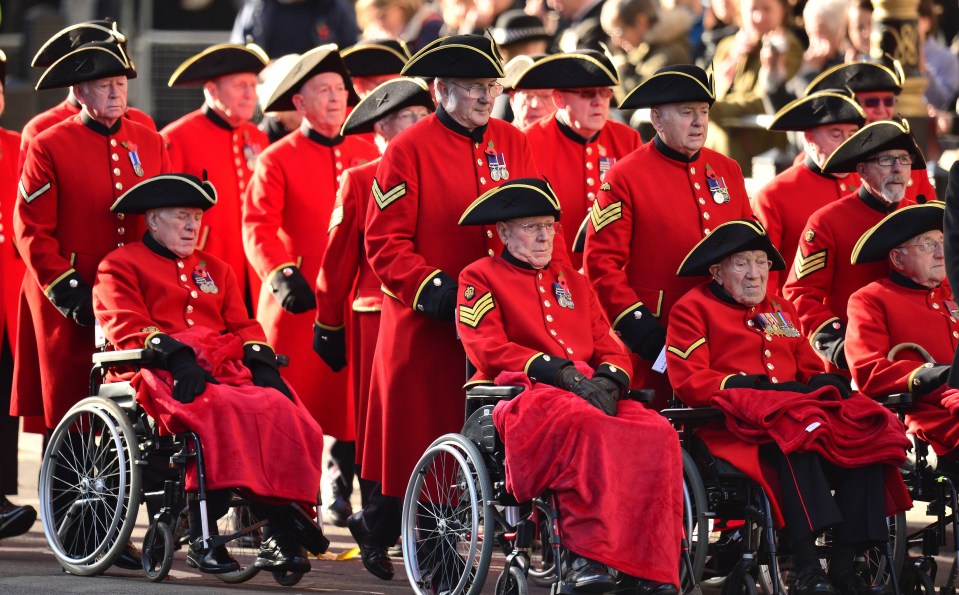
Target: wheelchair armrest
[
  {"x": 693, "y": 415},
  {"x": 124, "y": 357},
  {"x": 896, "y": 401},
  {"x": 484, "y": 391},
  {"x": 646, "y": 396}
]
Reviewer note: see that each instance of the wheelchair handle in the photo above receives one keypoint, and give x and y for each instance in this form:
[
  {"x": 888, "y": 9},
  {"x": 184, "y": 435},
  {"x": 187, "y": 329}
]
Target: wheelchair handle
[{"x": 914, "y": 347}]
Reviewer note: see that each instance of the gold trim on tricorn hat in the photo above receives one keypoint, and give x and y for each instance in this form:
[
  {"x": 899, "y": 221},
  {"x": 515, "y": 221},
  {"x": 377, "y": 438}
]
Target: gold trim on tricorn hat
[
  {"x": 457, "y": 56},
  {"x": 897, "y": 227},
  {"x": 219, "y": 60},
  {"x": 167, "y": 190},
  {"x": 819, "y": 109},
  {"x": 883, "y": 135},
  {"x": 681, "y": 83},
  {"x": 385, "y": 99},
  {"x": 325, "y": 58},
  {"x": 89, "y": 62},
  {"x": 523, "y": 197},
  {"x": 738, "y": 235}
]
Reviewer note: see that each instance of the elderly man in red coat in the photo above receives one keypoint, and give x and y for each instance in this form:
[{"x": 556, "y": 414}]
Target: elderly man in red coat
[
  {"x": 428, "y": 175},
  {"x": 822, "y": 277},
  {"x": 732, "y": 345},
  {"x": 219, "y": 373},
  {"x": 576, "y": 147},
  {"x": 220, "y": 139},
  {"x": 522, "y": 312},
  {"x": 904, "y": 328},
  {"x": 348, "y": 296},
  {"x": 825, "y": 119},
  {"x": 654, "y": 206},
  {"x": 290, "y": 199}
]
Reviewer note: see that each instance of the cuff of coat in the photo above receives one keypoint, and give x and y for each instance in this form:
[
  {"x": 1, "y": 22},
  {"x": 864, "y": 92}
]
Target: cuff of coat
[
  {"x": 329, "y": 327},
  {"x": 633, "y": 324},
  {"x": 614, "y": 373},
  {"x": 165, "y": 346},
  {"x": 429, "y": 296},
  {"x": 543, "y": 368},
  {"x": 829, "y": 337},
  {"x": 278, "y": 270},
  {"x": 256, "y": 351},
  {"x": 742, "y": 381},
  {"x": 64, "y": 285}
]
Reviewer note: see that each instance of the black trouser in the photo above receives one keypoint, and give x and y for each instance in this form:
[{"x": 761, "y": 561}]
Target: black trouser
[
  {"x": 342, "y": 465},
  {"x": 218, "y": 504},
  {"x": 9, "y": 425},
  {"x": 383, "y": 516}
]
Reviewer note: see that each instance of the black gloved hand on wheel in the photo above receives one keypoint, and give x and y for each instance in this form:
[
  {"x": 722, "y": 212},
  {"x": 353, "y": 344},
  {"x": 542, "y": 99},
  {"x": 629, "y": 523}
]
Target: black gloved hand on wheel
[
  {"x": 292, "y": 290},
  {"x": 189, "y": 379},
  {"x": 330, "y": 345},
  {"x": 571, "y": 379}
]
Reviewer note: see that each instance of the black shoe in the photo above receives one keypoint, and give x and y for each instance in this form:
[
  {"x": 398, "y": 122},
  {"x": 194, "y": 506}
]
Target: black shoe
[
  {"x": 374, "y": 556},
  {"x": 589, "y": 576},
  {"x": 280, "y": 553},
  {"x": 16, "y": 520},
  {"x": 338, "y": 512},
  {"x": 210, "y": 560},
  {"x": 849, "y": 582},
  {"x": 446, "y": 575},
  {"x": 645, "y": 587},
  {"x": 811, "y": 580},
  {"x": 129, "y": 558}
]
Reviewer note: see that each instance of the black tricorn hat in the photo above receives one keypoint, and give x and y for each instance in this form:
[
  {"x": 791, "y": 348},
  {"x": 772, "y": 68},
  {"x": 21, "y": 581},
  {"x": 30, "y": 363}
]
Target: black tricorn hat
[
  {"x": 860, "y": 77},
  {"x": 385, "y": 99},
  {"x": 896, "y": 228},
  {"x": 324, "y": 58},
  {"x": 457, "y": 56},
  {"x": 515, "y": 26},
  {"x": 66, "y": 40},
  {"x": 219, "y": 60},
  {"x": 579, "y": 242},
  {"x": 818, "y": 109},
  {"x": 376, "y": 57},
  {"x": 883, "y": 135},
  {"x": 672, "y": 84},
  {"x": 581, "y": 68},
  {"x": 516, "y": 67},
  {"x": 522, "y": 197},
  {"x": 88, "y": 62},
  {"x": 166, "y": 190},
  {"x": 731, "y": 237}
]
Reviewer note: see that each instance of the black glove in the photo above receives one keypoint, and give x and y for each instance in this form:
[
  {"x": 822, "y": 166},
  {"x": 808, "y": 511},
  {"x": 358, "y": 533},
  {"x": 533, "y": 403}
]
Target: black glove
[
  {"x": 269, "y": 377},
  {"x": 651, "y": 344},
  {"x": 330, "y": 346},
  {"x": 610, "y": 386},
  {"x": 831, "y": 343},
  {"x": 447, "y": 306},
  {"x": 189, "y": 379},
  {"x": 841, "y": 383},
  {"x": 928, "y": 379},
  {"x": 791, "y": 386},
  {"x": 569, "y": 378},
  {"x": 74, "y": 299},
  {"x": 292, "y": 291}
]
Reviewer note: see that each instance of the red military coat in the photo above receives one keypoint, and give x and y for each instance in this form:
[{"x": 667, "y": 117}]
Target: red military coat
[
  {"x": 73, "y": 173},
  {"x": 289, "y": 201},
  {"x": 60, "y": 112},
  {"x": 202, "y": 140},
  {"x": 822, "y": 277},
  {"x": 143, "y": 289},
  {"x": 785, "y": 204},
  {"x": 11, "y": 267},
  {"x": 344, "y": 273},
  {"x": 431, "y": 172},
  {"x": 653, "y": 208},
  {"x": 576, "y": 167}
]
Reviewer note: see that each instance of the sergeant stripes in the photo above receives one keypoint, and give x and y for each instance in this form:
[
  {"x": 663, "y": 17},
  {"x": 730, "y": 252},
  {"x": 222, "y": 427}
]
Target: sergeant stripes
[
  {"x": 603, "y": 217},
  {"x": 806, "y": 265},
  {"x": 471, "y": 316}
]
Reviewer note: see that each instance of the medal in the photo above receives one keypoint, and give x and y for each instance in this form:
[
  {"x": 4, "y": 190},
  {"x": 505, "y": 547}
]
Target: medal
[
  {"x": 776, "y": 324},
  {"x": 134, "y": 158},
  {"x": 604, "y": 164},
  {"x": 497, "y": 163},
  {"x": 953, "y": 308},
  {"x": 564, "y": 299},
  {"x": 250, "y": 151},
  {"x": 203, "y": 280},
  {"x": 717, "y": 186}
]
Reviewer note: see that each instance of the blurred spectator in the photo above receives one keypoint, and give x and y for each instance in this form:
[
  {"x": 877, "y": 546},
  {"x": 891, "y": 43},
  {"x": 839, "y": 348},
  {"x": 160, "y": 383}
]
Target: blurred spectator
[
  {"x": 484, "y": 14},
  {"x": 939, "y": 65},
  {"x": 579, "y": 24},
  {"x": 647, "y": 38},
  {"x": 860, "y": 28},
  {"x": 522, "y": 107},
  {"x": 192, "y": 15},
  {"x": 454, "y": 14},
  {"x": 826, "y": 25},
  {"x": 696, "y": 10},
  {"x": 416, "y": 22},
  {"x": 295, "y": 26},
  {"x": 519, "y": 34},
  {"x": 720, "y": 20}
]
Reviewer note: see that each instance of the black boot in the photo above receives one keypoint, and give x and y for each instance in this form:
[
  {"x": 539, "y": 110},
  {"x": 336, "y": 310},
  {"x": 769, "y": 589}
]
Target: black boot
[{"x": 215, "y": 560}]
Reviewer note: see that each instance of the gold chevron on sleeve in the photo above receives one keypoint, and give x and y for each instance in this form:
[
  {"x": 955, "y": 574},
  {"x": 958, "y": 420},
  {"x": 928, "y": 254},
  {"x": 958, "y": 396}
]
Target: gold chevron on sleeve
[
  {"x": 603, "y": 217},
  {"x": 336, "y": 217},
  {"x": 685, "y": 354},
  {"x": 471, "y": 316},
  {"x": 29, "y": 198},
  {"x": 385, "y": 199},
  {"x": 806, "y": 265}
]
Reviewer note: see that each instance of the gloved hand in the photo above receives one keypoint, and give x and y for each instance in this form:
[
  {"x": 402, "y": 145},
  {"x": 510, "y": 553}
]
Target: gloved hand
[
  {"x": 651, "y": 344},
  {"x": 82, "y": 314},
  {"x": 292, "y": 290},
  {"x": 447, "y": 307},
  {"x": 330, "y": 346},
  {"x": 569, "y": 378},
  {"x": 839, "y": 382},
  {"x": 614, "y": 390},
  {"x": 189, "y": 379},
  {"x": 269, "y": 377},
  {"x": 791, "y": 386},
  {"x": 928, "y": 379},
  {"x": 74, "y": 299}
]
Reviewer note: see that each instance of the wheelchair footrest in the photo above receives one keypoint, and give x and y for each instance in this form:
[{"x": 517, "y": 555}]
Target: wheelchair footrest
[
  {"x": 563, "y": 588},
  {"x": 308, "y": 532}
]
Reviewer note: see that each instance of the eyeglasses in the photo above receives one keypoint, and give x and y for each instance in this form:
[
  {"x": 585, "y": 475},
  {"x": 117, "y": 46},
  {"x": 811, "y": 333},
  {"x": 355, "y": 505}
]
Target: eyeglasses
[
  {"x": 604, "y": 92},
  {"x": 926, "y": 246},
  {"x": 873, "y": 102},
  {"x": 534, "y": 228},
  {"x": 494, "y": 89},
  {"x": 889, "y": 160},
  {"x": 741, "y": 266}
]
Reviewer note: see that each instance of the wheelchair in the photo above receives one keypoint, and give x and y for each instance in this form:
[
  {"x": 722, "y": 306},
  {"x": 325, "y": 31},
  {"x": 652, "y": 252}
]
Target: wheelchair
[
  {"x": 737, "y": 544},
  {"x": 457, "y": 513},
  {"x": 92, "y": 485}
]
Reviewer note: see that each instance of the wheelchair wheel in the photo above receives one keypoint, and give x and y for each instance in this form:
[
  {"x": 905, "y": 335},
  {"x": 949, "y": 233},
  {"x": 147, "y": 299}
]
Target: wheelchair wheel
[
  {"x": 157, "y": 551},
  {"x": 244, "y": 548},
  {"x": 447, "y": 520},
  {"x": 542, "y": 568},
  {"x": 90, "y": 486},
  {"x": 287, "y": 579},
  {"x": 695, "y": 521},
  {"x": 874, "y": 566},
  {"x": 512, "y": 582}
]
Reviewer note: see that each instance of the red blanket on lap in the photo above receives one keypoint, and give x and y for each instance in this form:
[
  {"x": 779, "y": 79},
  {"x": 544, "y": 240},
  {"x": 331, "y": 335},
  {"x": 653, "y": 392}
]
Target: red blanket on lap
[
  {"x": 252, "y": 437},
  {"x": 932, "y": 418},
  {"x": 618, "y": 480}
]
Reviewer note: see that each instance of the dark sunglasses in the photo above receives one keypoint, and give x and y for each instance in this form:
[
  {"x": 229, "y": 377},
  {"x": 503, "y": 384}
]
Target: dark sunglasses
[{"x": 873, "y": 102}]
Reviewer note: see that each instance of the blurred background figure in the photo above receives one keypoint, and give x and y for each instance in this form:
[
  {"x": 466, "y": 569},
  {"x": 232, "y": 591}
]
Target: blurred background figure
[
  {"x": 276, "y": 125},
  {"x": 720, "y": 20},
  {"x": 522, "y": 107},
  {"x": 579, "y": 26},
  {"x": 416, "y": 22},
  {"x": 825, "y": 23},
  {"x": 859, "y": 22},
  {"x": 295, "y": 26},
  {"x": 371, "y": 63},
  {"x": 519, "y": 34},
  {"x": 939, "y": 65}
]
